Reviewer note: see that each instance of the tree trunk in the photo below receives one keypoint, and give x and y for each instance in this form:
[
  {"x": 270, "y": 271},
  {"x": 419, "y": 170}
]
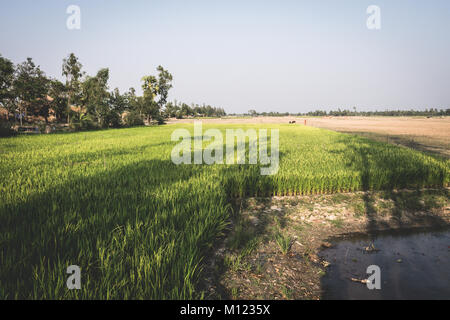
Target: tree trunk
[{"x": 68, "y": 110}]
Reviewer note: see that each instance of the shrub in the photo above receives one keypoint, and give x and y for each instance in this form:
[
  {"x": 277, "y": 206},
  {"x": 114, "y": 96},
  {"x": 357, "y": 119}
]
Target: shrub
[
  {"x": 85, "y": 123},
  {"x": 5, "y": 129},
  {"x": 111, "y": 120},
  {"x": 132, "y": 119}
]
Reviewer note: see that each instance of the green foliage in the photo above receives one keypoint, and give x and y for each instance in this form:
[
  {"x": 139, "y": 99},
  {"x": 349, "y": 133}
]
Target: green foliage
[
  {"x": 24, "y": 90},
  {"x": 58, "y": 92},
  {"x": 391, "y": 113},
  {"x": 345, "y": 113},
  {"x": 284, "y": 242},
  {"x": 5, "y": 129},
  {"x": 156, "y": 91},
  {"x": 6, "y": 80},
  {"x": 133, "y": 118},
  {"x": 71, "y": 70},
  {"x": 85, "y": 122},
  {"x": 31, "y": 87},
  {"x": 95, "y": 97},
  {"x": 241, "y": 236},
  {"x": 179, "y": 111},
  {"x": 113, "y": 203}
]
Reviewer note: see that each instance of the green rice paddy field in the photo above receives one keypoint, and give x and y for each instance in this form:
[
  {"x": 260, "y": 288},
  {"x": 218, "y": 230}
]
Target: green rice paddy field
[{"x": 113, "y": 203}]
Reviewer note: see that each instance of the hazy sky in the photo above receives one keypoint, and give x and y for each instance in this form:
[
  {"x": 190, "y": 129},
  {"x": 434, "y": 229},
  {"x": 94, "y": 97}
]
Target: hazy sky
[{"x": 266, "y": 55}]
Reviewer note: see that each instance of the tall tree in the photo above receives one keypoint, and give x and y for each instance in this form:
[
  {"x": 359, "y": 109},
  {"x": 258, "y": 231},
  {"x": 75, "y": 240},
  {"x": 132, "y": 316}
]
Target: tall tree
[
  {"x": 58, "y": 92},
  {"x": 156, "y": 91},
  {"x": 118, "y": 102},
  {"x": 164, "y": 85},
  {"x": 171, "y": 109},
  {"x": 134, "y": 107},
  {"x": 7, "y": 95},
  {"x": 117, "y": 105},
  {"x": 95, "y": 96},
  {"x": 134, "y": 103},
  {"x": 31, "y": 87},
  {"x": 150, "y": 91},
  {"x": 71, "y": 69}
]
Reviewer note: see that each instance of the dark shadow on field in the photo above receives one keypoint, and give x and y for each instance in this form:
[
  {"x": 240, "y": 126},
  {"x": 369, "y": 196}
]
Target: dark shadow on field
[
  {"x": 242, "y": 237},
  {"x": 147, "y": 174},
  {"x": 242, "y": 181},
  {"x": 395, "y": 171},
  {"x": 65, "y": 222},
  {"x": 85, "y": 157}
]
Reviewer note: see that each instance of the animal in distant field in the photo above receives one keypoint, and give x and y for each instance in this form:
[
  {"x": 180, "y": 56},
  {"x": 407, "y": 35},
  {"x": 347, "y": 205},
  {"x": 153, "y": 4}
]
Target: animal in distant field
[{"x": 291, "y": 122}]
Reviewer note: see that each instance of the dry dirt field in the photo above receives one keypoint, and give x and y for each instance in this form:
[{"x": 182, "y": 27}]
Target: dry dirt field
[{"x": 426, "y": 134}]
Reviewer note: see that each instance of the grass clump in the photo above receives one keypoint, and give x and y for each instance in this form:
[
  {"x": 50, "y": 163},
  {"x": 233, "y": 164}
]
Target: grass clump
[{"x": 284, "y": 242}]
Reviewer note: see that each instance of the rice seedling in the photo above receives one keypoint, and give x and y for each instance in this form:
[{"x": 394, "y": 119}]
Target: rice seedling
[{"x": 284, "y": 242}]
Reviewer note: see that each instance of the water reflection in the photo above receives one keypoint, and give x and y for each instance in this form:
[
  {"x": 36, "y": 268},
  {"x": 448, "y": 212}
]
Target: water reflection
[{"x": 414, "y": 265}]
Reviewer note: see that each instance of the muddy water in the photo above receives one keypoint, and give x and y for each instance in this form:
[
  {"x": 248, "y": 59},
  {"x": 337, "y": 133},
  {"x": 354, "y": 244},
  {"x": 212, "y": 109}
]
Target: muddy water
[{"x": 414, "y": 265}]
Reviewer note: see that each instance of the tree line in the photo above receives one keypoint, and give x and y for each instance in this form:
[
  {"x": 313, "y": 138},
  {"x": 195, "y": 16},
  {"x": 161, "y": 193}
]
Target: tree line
[
  {"x": 182, "y": 110},
  {"x": 392, "y": 113},
  {"x": 83, "y": 101},
  {"x": 432, "y": 112}
]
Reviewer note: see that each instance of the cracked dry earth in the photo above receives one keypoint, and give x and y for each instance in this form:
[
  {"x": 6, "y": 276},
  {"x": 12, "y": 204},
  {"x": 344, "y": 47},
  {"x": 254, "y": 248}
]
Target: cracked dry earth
[{"x": 271, "y": 250}]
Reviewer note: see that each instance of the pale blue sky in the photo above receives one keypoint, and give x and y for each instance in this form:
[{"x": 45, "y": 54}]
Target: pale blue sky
[{"x": 266, "y": 55}]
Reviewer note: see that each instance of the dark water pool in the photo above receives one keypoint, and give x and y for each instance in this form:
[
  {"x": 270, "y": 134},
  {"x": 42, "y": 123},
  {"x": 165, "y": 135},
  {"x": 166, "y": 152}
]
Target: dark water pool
[{"x": 414, "y": 265}]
